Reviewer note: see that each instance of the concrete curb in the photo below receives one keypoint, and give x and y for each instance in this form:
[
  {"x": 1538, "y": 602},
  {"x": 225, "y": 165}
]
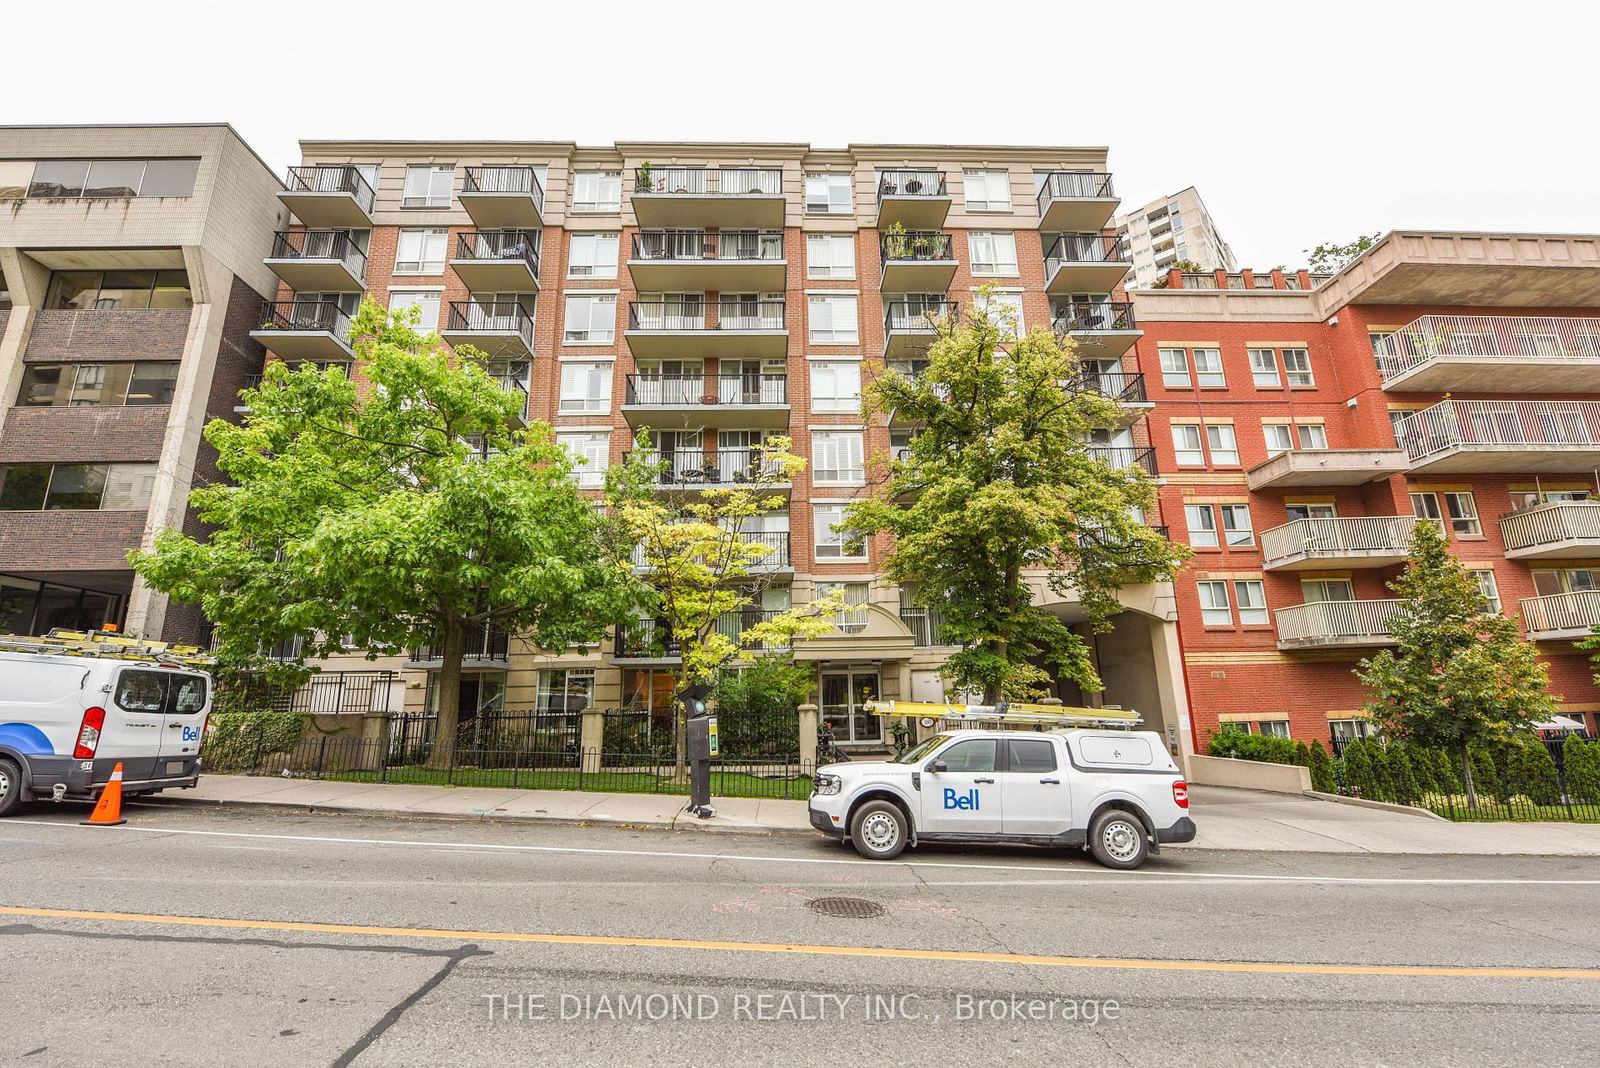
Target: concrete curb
[{"x": 1381, "y": 806}]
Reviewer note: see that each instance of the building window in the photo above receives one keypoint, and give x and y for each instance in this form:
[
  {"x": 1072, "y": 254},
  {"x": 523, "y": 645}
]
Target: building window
[
  {"x": 1004, "y": 310},
  {"x": 1489, "y": 589},
  {"x": 563, "y": 691},
  {"x": 426, "y": 301},
  {"x": 585, "y": 387},
  {"x": 833, "y": 543},
  {"x": 1202, "y": 523},
  {"x": 1277, "y": 437},
  {"x": 835, "y": 386},
  {"x": 1395, "y": 417},
  {"x": 830, "y": 256},
  {"x": 853, "y": 615},
  {"x": 1274, "y": 728},
  {"x": 987, "y": 190},
  {"x": 1312, "y": 435},
  {"x": 591, "y": 318},
  {"x": 833, "y": 319},
  {"x": 836, "y": 457},
  {"x": 592, "y": 256},
  {"x": 76, "y": 487},
  {"x": 1214, "y": 608},
  {"x": 420, "y": 252},
  {"x": 1208, "y": 368},
  {"x": 1297, "y": 367},
  {"x": 992, "y": 252},
  {"x": 591, "y": 455},
  {"x": 829, "y": 194},
  {"x": 1264, "y": 369},
  {"x": 1186, "y": 445},
  {"x": 1346, "y": 730},
  {"x": 1175, "y": 368},
  {"x": 1224, "y": 446},
  {"x": 1315, "y": 590},
  {"x": 1463, "y": 512},
  {"x": 118, "y": 290},
  {"x": 54, "y": 179},
  {"x": 1236, "y": 524},
  {"x": 428, "y": 185},
  {"x": 597, "y": 191},
  {"x": 93, "y": 385},
  {"x": 1251, "y": 596}
]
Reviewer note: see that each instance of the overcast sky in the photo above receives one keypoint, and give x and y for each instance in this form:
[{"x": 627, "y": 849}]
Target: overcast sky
[{"x": 1299, "y": 122}]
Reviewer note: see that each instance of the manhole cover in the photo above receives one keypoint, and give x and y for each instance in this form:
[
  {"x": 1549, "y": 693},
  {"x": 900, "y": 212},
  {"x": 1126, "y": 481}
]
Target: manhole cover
[{"x": 846, "y": 908}]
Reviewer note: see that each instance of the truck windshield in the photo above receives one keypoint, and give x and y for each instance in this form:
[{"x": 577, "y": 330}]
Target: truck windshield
[{"x": 911, "y": 756}]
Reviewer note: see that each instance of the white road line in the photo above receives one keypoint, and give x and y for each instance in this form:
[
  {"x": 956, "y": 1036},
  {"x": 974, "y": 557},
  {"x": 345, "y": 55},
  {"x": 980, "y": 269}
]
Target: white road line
[{"x": 1090, "y": 875}]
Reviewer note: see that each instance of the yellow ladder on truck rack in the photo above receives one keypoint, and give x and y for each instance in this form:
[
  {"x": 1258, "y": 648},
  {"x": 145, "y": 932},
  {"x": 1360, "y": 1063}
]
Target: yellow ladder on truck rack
[
  {"x": 62, "y": 642},
  {"x": 1040, "y": 715}
]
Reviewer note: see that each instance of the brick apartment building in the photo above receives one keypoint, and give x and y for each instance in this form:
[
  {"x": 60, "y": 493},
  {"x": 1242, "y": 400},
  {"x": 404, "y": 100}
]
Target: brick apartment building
[
  {"x": 1303, "y": 425},
  {"x": 717, "y": 294},
  {"x": 130, "y": 277}
]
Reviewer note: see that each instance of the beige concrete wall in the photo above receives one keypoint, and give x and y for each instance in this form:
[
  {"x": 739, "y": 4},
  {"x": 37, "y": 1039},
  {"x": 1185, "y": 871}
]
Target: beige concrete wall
[{"x": 1248, "y": 774}]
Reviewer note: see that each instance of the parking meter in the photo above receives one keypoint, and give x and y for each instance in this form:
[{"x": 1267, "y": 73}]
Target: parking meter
[{"x": 702, "y": 746}]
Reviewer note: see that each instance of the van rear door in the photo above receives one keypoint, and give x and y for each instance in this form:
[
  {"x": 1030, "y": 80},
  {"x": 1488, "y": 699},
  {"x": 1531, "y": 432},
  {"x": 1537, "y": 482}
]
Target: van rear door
[
  {"x": 188, "y": 699},
  {"x": 135, "y": 714}
]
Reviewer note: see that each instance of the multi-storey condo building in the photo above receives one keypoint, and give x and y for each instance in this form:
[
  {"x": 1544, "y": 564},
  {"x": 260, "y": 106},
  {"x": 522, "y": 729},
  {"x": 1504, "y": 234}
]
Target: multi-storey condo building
[
  {"x": 1304, "y": 425},
  {"x": 715, "y": 295},
  {"x": 130, "y": 279},
  {"x": 1169, "y": 230}
]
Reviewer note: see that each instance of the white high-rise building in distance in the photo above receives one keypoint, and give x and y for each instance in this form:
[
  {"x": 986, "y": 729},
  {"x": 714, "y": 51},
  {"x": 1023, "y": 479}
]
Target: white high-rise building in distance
[{"x": 1167, "y": 231}]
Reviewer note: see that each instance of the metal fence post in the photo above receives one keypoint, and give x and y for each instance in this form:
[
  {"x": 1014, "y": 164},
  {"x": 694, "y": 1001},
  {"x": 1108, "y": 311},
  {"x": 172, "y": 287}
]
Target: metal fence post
[
  {"x": 450, "y": 764},
  {"x": 255, "y": 760},
  {"x": 322, "y": 751}
]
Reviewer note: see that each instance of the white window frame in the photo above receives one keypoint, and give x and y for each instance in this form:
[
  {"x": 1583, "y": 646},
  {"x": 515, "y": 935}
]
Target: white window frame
[
  {"x": 853, "y": 614},
  {"x": 1264, "y": 368},
  {"x": 1222, "y": 454},
  {"x": 994, "y": 244},
  {"x": 1489, "y": 588},
  {"x": 830, "y": 545},
  {"x": 1188, "y": 445},
  {"x": 593, "y": 447},
  {"x": 1213, "y": 594},
  {"x": 835, "y": 385},
  {"x": 1269, "y": 728},
  {"x": 1175, "y": 369},
  {"x": 1208, "y": 372},
  {"x": 590, "y": 335},
  {"x": 1004, "y": 298},
  {"x": 600, "y": 183},
  {"x": 1461, "y": 509},
  {"x": 831, "y": 264},
  {"x": 429, "y": 195},
  {"x": 423, "y": 236},
  {"x": 1284, "y": 435},
  {"x": 836, "y": 332},
  {"x": 838, "y": 193},
  {"x": 1300, "y": 375},
  {"x": 585, "y": 387},
  {"x": 1251, "y": 597},
  {"x": 838, "y": 458},
  {"x": 431, "y": 295},
  {"x": 992, "y": 186},
  {"x": 594, "y": 264},
  {"x": 1313, "y": 437},
  {"x": 1237, "y": 529},
  {"x": 1201, "y": 523}
]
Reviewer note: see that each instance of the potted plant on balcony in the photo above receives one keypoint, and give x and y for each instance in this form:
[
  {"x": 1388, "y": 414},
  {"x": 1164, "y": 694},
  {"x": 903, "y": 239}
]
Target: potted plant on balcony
[
  {"x": 642, "y": 178},
  {"x": 894, "y": 244},
  {"x": 922, "y": 246}
]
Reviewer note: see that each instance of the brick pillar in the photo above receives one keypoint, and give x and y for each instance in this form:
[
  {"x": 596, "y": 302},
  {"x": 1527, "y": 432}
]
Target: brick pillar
[{"x": 591, "y": 739}]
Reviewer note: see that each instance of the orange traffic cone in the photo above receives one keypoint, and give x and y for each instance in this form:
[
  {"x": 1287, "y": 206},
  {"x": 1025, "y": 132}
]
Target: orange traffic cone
[{"x": 108, "y": 810}]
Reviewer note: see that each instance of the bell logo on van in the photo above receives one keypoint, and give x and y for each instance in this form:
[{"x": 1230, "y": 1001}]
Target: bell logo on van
[
  {"x": 967, "y": 802},
  {"x": 191, "y": 734}
]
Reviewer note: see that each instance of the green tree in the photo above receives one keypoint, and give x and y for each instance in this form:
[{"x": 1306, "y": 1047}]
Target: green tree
[
  {"x": 1421, "y": 761},
  {"x": 759, "y": 694},
  {"x": 1402, "y": 776},
  {"x": 1187, "y": 266},
  {"x": 1382, "y": 782},
  {"x": 1321, "y": 765},
  {"x": 405, "y": 513},
  {"x": 1358, "y": 776},
  {"x": 1532, "y": 771},
  {"x": 1582, "y": 765},
  {"x": 1330, "y": 256},
  {"x": 1458, "y": 673},
  {"x": 1000, "y": 485}
]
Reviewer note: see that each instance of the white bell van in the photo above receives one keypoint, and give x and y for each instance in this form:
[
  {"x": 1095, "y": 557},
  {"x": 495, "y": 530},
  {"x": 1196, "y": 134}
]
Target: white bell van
[{"x": 74, "y": 705}]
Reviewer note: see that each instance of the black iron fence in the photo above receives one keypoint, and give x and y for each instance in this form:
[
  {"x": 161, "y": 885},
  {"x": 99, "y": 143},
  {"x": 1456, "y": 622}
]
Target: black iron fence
[
  {"x": 1083, "y": 248},
  {"x": 1089, "y": 316},
  {"x": 1074, "y": 185},
  {"x": 319, "y": 245},
  {"x": 918, "y": 314},
  {"x": 315, "y": 315},
  {"x": 500, "y": 246},
  {"x": 1120, "y": 457},
  {"x": 1122, "y": 386},
  {"x": 917, "y": 183},
  {"x": 916, "y": 245},
  {"x": 504, "y": 180},
  {"x": 716, "y": 467},
  {"x": 696, "y": 245},
  {"x": 491, "y": 317}
]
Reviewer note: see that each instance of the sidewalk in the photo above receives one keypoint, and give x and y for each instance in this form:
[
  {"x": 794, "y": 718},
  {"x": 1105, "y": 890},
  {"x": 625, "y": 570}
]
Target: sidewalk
[{"x": 1227, "y": 818}]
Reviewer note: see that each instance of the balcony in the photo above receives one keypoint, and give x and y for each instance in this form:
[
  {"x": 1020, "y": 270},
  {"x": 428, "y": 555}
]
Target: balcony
[
  {"x": 1085, "y": 263},
  {"x": 305, "y": 330},
  {"x": 330, "y": 196},
  {"x": 916, "y": 261},
  {"x": 1491, "y": 354},
  {"x": 318, "y": 261},
  {"x": 498, "y": 261},
  {"x": 696, "y": 261},
  {"x": 923, "y": 623},
  {"x": 1503, "y": 436},
  {"x": 1076, "y": 200},
  {"x": 496, "y": 328},
  {"x": 1554, "y": 531},
  {"x": 1358, "y": 541},
  {"x": 910, "y": 327},
  {"x": 1100, "y": 330},
  {"x": 485, "y": 644},
  {"x": 676, "y": 328},
  {"x": 916, "y": 199},
  {"x": 1124, "y": 387},
  {"x": 775, "y": 560},
  {"x": 1326, "y": 467},
  {"x": 1335, "y": 624},
  {"x": 708, "y": 196},
  {"x": 728, "y": 400},
  {"x": 1561, "y": 616},
  {"x": 1125, "y": 457},
  {"x": 718, "y": 469},
  {"x": 503, "y": 196},
  {"x": 649, "y": 641}
]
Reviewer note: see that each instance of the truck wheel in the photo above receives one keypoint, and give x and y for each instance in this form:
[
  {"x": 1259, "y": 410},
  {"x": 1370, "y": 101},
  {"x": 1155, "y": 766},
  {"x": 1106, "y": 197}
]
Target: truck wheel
[
  {"x": 1117, "y": 839},
  {"x": 10, "y": 786},
  {"x": 878, "y": 830}
]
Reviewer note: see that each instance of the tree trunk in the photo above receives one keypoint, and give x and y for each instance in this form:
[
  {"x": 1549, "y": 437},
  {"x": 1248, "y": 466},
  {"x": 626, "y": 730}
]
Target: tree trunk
[
  {"x": 1466, "y": 778},
  {"x": 447, "y": 700},
  {"x": 680, "y": 731}
]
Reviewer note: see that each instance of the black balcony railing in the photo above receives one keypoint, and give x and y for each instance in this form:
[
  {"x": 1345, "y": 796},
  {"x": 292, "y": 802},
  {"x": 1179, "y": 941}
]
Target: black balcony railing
[
  {"x": 699, "y": 181},
  {"x": 491, "y": 317},
  {"x": 914, "y": 245},
  {"x": 716, "y": 467},
  {"x": 500, "y": 245},
  {"x": 1088, "y": 317},
  {"x": 691, "y": 315},
  {"x": 917, "y": 183},
  {"x": 775, "y": 541},
  {"x": 319, "y": 245},
  {"x": 1123, "y": 386},
  {"x": 646, "y": 639},
  {"x": 698, "y": 245},
  {"x": 322, "y": 315},
  {"x": 1083, "y": 248},
  {"x": 1122, "y": 457},
  {"x": 252, "y": 382},
  {"x": 1074, "y": 185},
  {"x": 645, "y": 388},
  {"x": 925, "y": 624},
  {"x": 341, "y": 178},
  {"x": 484, "y": 642},
  {"x": 918, "y": 315},
  {"x": 505, "y": 180}
]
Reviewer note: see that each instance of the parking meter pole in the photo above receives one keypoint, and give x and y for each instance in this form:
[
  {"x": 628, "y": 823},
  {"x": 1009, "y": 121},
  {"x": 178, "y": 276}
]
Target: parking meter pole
[{"x": 702, "y": 749}]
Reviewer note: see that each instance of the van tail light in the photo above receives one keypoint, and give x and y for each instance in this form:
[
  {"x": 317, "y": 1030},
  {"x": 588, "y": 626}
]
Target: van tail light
[
  {"x": 204, "y": 723},
  {"x": 1180, "y": 793},
  {"x": 89, "y": 733}
]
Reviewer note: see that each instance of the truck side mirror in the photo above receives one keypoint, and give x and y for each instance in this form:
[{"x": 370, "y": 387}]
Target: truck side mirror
[{"x": 938, "y": 765}]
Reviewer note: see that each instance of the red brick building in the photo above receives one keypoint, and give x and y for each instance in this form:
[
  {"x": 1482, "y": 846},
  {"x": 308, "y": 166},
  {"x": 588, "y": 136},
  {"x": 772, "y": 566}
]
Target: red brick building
[{"x": 1304, "y": 424}]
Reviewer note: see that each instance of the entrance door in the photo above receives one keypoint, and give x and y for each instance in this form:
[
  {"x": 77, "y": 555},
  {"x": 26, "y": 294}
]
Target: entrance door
[
  {"x": 964, "y": 798},
  {"x": 844, "y": 692}
]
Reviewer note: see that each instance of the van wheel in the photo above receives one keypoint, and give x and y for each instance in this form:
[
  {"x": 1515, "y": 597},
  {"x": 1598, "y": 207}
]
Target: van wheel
[
  {"x": 10, "y": 786},
  {"x": 1117, "y": 839},
  {"x": 878, "y": 830}
]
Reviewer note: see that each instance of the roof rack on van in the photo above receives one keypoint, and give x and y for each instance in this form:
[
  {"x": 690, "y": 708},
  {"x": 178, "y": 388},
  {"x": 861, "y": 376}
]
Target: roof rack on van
[
  {"x": 62, "y": 642},
  {"x": 1035, "y": 714}
]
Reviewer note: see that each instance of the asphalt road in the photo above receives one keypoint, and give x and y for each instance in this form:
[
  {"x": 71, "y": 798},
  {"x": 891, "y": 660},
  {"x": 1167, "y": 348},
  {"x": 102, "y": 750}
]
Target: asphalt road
[{"x": 197, "y": 936}]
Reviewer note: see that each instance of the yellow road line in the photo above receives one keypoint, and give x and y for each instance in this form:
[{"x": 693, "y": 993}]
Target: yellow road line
[{"x": 1444, "y": 971}]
